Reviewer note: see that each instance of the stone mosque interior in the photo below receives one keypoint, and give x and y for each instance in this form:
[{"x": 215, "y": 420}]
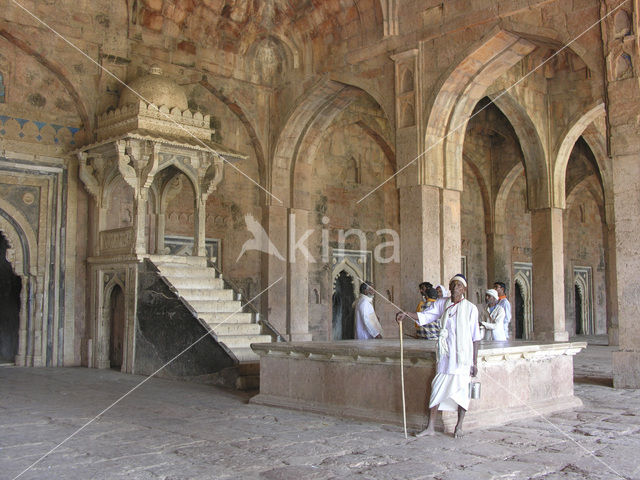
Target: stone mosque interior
[{"x": 228, "y": 172}]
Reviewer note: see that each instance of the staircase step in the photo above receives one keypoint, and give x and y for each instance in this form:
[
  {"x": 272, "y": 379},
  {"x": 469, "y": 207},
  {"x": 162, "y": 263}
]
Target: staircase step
[
  {"x": 178, "y": 270},
  {"x": 246, "y": 355},
  {"x": 194, "y": 282},
  {"x": 213, "y": 318},
  {"x": 237, "y": 329},
  {"x": 223, "y": 306},
  {"x": 242, "y": 341},
  {"x": 190, "y": 294}
]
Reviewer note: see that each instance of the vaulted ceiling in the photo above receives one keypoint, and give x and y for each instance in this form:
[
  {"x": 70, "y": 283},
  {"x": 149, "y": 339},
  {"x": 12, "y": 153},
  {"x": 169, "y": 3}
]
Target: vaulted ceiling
[{"x": 233, "y": 25}]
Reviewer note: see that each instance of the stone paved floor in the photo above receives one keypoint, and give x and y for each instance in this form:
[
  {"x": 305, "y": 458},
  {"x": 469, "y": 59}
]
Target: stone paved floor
[{"x": 175, "y": 430}]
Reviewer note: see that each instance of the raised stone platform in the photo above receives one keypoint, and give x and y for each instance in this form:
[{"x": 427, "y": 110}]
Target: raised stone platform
[{"x": 361, "y": 379}]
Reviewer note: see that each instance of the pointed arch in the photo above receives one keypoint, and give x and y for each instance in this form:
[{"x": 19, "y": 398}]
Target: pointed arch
[
  {"x": 318, "y": 107},
  {"x": 524, "y": 282},
  {"x": 59, "y": 71},
  {"x": 20, "y": 233},
  {"x": 457, "y": 94},
  {"x": 500, "y": 220},
  {"x": 535, "y": 164},
  {"x": 592, "y": 185},
  {"x": 350, "y": 269},
  {"x": 569, "y": 138},
  {"x": 244, "y": 119},
  {"x": 484, "y": 192}
]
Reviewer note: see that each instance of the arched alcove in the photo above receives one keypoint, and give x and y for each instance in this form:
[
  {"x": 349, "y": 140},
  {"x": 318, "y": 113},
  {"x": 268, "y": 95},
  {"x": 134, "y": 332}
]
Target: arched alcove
[
  {"x": 343, "y": 306},
  {"x": 176, "y": 218},
  {"x": 523, "y": 301},
  {"x": 10, "y": 305},
  {"x": 578, "y": 309},
  {"x": 116, "y": 327}
]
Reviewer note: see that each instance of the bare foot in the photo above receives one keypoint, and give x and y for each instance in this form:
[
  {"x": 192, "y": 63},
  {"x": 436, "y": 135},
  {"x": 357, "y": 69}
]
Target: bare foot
[
  {"x": 425, "y": 433},
  {"x": 458, "y": 433}
]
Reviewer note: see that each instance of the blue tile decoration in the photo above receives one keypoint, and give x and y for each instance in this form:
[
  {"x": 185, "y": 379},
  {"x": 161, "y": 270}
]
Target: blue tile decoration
[{"x": 39, "y": 125}]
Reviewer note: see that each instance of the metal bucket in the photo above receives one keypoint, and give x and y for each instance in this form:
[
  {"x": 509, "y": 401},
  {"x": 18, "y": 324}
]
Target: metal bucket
[{"x": 474, "y": 390}]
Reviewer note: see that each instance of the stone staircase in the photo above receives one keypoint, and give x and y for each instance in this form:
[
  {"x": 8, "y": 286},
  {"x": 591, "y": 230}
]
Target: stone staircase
[{"x": 204, "y": 291}]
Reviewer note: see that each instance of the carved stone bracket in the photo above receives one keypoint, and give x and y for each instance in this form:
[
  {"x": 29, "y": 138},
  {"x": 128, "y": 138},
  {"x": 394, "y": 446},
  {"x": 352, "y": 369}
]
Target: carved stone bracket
[
  {"x": 92, "y": 173},
  {"x": 210, "y": 176},
  {"x": 138, "y": 164}
]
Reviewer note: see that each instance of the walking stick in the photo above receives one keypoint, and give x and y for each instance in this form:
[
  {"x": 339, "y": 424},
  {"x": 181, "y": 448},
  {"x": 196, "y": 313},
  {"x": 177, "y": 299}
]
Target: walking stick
[{"x": 404, "y": 408}]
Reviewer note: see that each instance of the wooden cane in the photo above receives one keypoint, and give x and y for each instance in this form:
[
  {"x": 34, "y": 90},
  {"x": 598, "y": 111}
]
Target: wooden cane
[{"x": 404, "y": 408}]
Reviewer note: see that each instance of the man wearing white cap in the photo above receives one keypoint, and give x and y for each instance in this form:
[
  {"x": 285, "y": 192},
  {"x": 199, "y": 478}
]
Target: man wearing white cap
[
  {"x": 494, "y": 315},
  {"x": 457, "y": 352}
]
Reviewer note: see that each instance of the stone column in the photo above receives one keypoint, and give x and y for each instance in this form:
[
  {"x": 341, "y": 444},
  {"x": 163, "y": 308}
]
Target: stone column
[
  {"x": 160, "y": 225},
  {"x": 420, "y": 258},
  {"x": 626, "y": 361},
  {"x": 298, "y": 273},
  {"x": 622, "y": 45},
  {"x": 548, "y": 275},
  {"x": 200, "y": 233},
  {"x": 609, "y": 236},
  {"x": 499, "y": 259},
  {"x": 450, "y": 234},
  {"x": 274, "y": 270},
  {"x": 139, "y": 223}
]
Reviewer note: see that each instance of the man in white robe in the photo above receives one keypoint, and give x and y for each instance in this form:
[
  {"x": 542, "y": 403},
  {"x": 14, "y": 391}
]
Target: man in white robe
[
  {"x": 457, "y": 352},
  {"x": 493, "y": 317},
  {"x": 367, "y": 325},
  {"x": 503, "y": 301}
]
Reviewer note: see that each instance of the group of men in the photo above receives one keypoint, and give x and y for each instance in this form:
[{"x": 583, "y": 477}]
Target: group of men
[
  {"x": 454, "y": 322},
  {"x": 494, "y": 318}
]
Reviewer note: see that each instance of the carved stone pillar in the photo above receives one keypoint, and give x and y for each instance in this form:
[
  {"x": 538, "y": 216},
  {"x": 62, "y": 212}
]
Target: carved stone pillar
[
  {"x": 298, "y": 282},
  {"x": 199, "y": 249},
  {"x": 274, "y": 269},
  {"x": 548, "y": 275},
  {"x": 622, "y": 52}
]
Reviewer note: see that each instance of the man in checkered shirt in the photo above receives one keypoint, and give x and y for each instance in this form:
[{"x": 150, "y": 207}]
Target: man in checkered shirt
[{"x": 430, "y": 331}]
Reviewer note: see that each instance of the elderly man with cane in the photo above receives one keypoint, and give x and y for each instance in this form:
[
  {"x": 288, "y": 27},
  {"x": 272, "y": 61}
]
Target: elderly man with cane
[{"x": 457, "y": 352}]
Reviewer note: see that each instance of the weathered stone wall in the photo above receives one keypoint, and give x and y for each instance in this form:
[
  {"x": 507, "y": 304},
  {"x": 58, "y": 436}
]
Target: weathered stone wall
[
  {"x": 347, "y": 166},
  {"x": 583, "y": 246}
]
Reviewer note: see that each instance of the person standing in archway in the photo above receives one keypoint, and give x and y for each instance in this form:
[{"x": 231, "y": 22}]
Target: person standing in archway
[
  {"x": 367, "y": 325},
  {"x": 503, "y": 301},
  {"x": 457, "y": 352}
]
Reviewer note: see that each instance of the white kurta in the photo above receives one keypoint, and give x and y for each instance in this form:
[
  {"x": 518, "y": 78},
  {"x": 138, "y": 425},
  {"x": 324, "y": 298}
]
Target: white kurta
[
  {"x": 506, "y": 306},
  {"x": 366, "y": 322},
  {"x": 450, "y": 387},
  {"x": 496, "y": 326}
]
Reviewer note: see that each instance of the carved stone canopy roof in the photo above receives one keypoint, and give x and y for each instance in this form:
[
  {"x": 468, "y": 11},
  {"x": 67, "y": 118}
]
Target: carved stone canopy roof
[{"x": 155, "y": 88}]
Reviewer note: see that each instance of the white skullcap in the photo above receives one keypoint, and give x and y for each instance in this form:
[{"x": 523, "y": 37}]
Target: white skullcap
[
  {"x": 493, "y": 293},
  {"x": 460, "y": 278}
]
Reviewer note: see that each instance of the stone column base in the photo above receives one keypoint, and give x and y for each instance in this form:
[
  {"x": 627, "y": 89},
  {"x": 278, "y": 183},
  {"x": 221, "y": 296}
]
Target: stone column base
[{"x": 626, "y": 369}]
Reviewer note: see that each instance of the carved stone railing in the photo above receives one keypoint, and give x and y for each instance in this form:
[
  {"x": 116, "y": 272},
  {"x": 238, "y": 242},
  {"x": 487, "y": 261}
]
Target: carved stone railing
[{"x": 116, "y": 241}]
